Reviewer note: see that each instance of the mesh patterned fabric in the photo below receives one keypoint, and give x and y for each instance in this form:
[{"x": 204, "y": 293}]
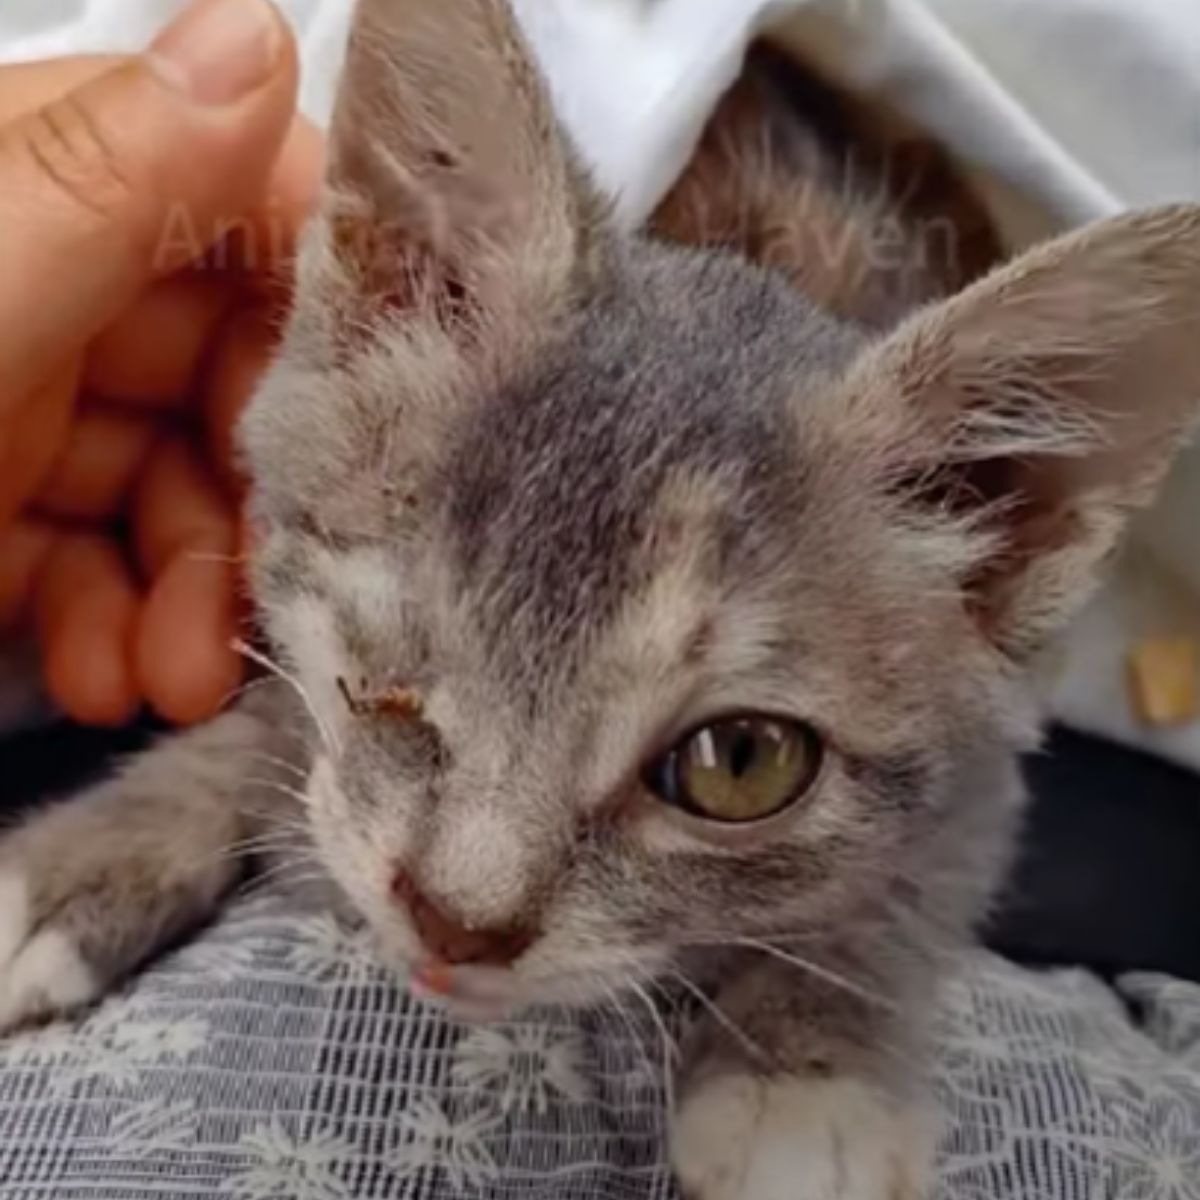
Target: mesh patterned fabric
[{"x": 272, "y": 1058}]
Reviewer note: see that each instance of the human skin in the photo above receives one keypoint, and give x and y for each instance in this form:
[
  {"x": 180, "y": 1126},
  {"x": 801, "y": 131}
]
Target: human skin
[{"x": 148, "y": 208}]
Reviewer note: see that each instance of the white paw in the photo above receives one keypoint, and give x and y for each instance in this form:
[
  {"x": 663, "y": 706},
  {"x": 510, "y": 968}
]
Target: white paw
[
  {"x": 41, "y": 975},
  {"x": 738, "y": 1137}
]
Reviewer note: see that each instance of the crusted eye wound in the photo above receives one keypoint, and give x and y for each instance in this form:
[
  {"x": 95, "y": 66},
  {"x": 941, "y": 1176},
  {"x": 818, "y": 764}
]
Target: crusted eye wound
[{"x": 399, "y": 702}]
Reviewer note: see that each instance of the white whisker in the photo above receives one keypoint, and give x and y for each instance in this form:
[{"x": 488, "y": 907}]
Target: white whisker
[
  {"x": 286, "y": 874},
  {"x": 282, "y": 763},
  {"x": 820, "y": 972},
  {"x": 747, "y": 1043},
  {"x": 269, "y": 664},
  {"x": 284, "y": 789},
  {"x": 669, "y": 1045},
  {"x": 290, "y": 836},
  {"x": 639, "y": 1042},
  {"x": 241, "y": 690}
]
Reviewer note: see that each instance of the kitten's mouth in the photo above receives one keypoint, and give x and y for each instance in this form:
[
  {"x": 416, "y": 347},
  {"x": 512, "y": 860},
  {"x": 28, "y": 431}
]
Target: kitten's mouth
[
  {"x": 471, "y": 993},
  {"x": 486, "y": 993}
]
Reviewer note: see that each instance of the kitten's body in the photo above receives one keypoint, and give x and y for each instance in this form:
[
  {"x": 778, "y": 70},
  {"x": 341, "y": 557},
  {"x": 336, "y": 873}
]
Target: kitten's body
[{"x": 535, "y": 501}]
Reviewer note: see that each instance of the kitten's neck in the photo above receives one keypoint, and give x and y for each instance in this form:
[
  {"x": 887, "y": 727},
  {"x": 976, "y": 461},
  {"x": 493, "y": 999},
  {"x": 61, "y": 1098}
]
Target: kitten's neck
[{"x": 867, "y": 221}]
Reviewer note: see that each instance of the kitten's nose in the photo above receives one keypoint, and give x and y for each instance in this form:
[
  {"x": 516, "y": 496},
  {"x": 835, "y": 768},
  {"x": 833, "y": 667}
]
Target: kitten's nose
[{"x": 451, "y": 942}]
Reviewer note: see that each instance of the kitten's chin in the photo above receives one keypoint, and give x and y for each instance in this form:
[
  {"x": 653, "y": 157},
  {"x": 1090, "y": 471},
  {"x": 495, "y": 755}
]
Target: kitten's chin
[
  {"x": 467, "y": 993},
  {"x": 471, "y": 993},
  {"x": 477, "y": 993}
]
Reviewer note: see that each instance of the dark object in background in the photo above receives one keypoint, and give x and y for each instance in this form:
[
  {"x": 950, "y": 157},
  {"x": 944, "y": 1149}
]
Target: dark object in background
[
  {"x": 1109, "y": 877},
  {"x": 59, "y": 760}
]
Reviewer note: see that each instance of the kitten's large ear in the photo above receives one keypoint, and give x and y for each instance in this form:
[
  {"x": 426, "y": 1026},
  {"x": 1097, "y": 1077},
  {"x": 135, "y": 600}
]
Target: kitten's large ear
[
  {"x": 452, "y": 189},
  {"x": 1044, "y": 404}
]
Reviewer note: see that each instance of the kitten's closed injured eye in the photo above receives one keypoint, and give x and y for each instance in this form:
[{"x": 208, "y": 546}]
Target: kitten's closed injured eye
[{"x": 646, "y": 608}]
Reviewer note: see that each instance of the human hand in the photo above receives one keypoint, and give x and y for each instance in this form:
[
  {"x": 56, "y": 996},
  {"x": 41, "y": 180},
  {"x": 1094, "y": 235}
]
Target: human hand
[{"x": 148, "y": 207}]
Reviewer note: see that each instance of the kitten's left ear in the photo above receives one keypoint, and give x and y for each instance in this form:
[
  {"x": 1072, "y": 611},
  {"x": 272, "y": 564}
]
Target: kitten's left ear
[
  {"x": 451, "y": 186},
  {"x": 1043, "y": 404}
]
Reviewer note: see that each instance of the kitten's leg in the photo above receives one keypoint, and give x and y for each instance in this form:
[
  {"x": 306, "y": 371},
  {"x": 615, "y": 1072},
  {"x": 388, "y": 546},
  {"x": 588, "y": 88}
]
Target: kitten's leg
[
  {"x": 816, "y": 1103},
  {"x": 91, "y": 887}
]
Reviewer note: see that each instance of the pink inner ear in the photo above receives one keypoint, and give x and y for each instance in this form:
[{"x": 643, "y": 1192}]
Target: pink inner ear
[
  {"x": 395, "y": 275},
  {"x": 1024, "y": 500}
]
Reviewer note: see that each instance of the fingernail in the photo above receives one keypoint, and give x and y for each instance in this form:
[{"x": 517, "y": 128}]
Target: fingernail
[{"x": 217, "y": 51}]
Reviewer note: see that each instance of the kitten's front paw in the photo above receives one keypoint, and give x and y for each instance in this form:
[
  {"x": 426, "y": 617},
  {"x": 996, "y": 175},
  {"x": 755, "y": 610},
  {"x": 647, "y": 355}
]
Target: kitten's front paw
[
  {"x": 91, "y": 888},
  {"x": 42, "y": 972},
  {"x": 738, "y": 1137}
]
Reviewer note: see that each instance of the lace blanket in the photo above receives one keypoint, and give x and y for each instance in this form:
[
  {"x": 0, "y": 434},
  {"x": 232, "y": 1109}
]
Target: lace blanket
[{"x": 273, "y": 1060}]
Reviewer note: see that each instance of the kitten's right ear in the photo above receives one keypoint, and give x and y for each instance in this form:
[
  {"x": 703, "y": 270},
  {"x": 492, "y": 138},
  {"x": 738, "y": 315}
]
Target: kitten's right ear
[
  {"x": 1041, "y": 406},
  {"x": 452, "y": 190}
]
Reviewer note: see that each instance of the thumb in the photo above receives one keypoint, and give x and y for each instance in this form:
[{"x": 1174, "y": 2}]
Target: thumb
[{"x": 132, "y": 175}]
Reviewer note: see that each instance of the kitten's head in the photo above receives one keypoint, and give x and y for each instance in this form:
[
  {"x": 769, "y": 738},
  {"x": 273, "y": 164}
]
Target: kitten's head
[{"x": 643, "y": 605}]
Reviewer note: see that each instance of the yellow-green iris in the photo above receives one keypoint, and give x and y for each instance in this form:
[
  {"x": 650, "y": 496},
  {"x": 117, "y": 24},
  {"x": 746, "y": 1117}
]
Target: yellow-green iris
[{"x": 740, "y": 769}]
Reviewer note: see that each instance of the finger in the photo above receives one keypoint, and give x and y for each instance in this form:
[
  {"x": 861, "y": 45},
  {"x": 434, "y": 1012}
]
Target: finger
[
  {"x": 300, "y": 169},
  {"x": 152, "y": 354},
  {"x": 23, "y": 549},
  {"x": 237, "y": 367},
  {"x": 186, "y": 534},
  {"x": 123, "y": 179},
  {"x": 177, "y": 501},
  {"x": 262, "y": 242},
  {"x": 296, "y": 182},
  {"x": 86, "y": 608},
  {"x": 26, "y": 87},
  {"x": 274, "y": 223},
  {"x": 96, "y": 470},
  {"x": 155, "y": 352},
  {"x": 186, "y": 666},
  {"x": 34, "y": 438}
]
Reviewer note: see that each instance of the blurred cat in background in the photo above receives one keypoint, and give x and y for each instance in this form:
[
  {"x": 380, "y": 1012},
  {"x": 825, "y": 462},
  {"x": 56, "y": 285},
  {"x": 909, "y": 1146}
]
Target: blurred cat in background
[{"x": 649, "y": 609}]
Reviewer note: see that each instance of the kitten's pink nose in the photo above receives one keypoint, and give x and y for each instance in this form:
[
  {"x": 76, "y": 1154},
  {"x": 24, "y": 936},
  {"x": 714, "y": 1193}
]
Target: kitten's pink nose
[{"x": 451, "y": 942}]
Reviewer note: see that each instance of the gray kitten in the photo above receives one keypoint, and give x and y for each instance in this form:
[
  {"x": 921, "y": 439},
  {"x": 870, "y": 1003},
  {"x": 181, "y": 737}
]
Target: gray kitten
[{"x": 649, "y": 618}]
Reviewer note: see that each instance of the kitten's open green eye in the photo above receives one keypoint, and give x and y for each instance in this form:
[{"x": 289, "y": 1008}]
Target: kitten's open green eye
[{"x": 740, "y": 769}]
